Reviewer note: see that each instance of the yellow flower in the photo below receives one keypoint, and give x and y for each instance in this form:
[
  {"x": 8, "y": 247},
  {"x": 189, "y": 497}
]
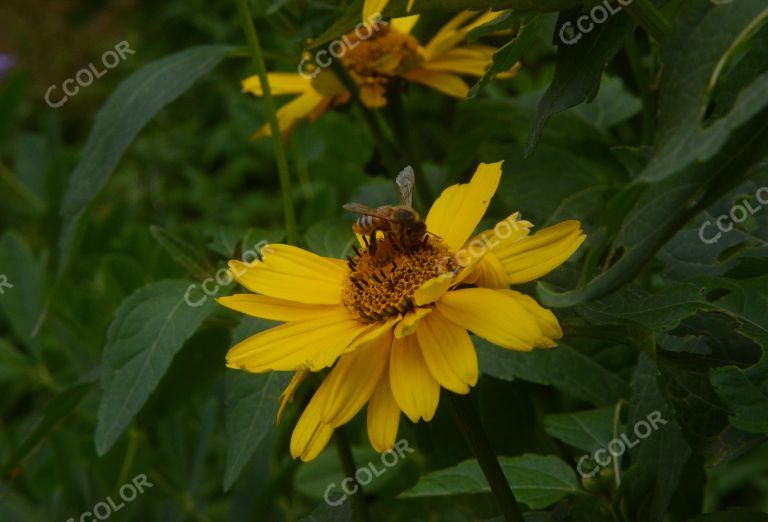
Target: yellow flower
[
  {"x": 383, "y": 53},
  {"x": 394, "y": 322}
]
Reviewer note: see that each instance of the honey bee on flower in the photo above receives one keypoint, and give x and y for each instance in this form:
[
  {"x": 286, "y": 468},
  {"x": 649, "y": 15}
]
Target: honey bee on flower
[
  {"x": 378, "y": 58},
  {"x": 393, "y": 323}
]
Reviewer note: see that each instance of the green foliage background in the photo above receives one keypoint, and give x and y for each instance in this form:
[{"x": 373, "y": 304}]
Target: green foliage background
[{"x": 146, "y": 182}]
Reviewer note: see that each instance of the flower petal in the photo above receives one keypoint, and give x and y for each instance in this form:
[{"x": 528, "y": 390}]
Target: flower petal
[
  {"x": 404, "y": 24},
  {"x": 473, "y": 60},
  {"x": 313, "y": 344},
  {"x": 550, "y": 327},
  {"x": 444, "y": 82},
  {"x": 493, "y": 316},
  {"x": 291, "y": 273},
  {"x": 310, "y": 436},
  {"x": 459, "y": 209},
  {"x": 279, "y": 83},
  {"x": 274, "y": 309},
  {"x": 431, "y": 290},
  {"x": 383, "y": 416},
  {"x": 415, "y": 390},
  {"x": 540, "y": 253},
  {"x": 292, "y": 112},
  {"x": 289, "y": 391},
  {"x": 372, "y": 10},
  {"x": 411, "y": 321},
  {"x": 448, "y": 352}
]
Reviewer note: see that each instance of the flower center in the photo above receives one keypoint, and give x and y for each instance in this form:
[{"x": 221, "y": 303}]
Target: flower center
[
  {"x": 383, "y": 277},
  {"x": 381, "y": 52}
]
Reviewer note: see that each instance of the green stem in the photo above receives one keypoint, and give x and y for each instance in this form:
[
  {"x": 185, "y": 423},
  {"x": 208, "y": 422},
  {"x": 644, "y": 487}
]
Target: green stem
[
  {"x": 388, "y": 153},
  {"x": 649, "y": 18},
  {"x": 269, "y": 103},
  {"x": 466, "y": 417},
  {"x": 348, "y": 465},
  {"x": 399, "y": 123}
]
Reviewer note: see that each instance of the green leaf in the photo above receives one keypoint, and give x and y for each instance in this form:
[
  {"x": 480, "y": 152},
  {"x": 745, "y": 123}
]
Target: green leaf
[
  {"x": 148, "y": 328},
  {"x": 331, "y": 239},
  {"x": 134, "y": 103},
  {"x": 746, "y": 393},
  {"x": 536, "y": 480},
  {"x": 710, "y": 35},
  {"x": 563, "y": 367},
  {"x": 508, "y": 55},
  {"x": 659, "y": 459},
  {"x": 327, "y": 513},
  {"x": 54, "y": 414},
  {"x": 21, "y": 285},
  {"x": 585, "y": 430},
  {"x": 186, "y": 255},
  {"x": 252, "y": 404},
  {"x": 579, "y": 67}
]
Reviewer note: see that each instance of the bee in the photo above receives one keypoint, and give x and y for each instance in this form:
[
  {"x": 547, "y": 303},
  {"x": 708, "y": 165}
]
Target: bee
[{"x": 399, "y": 223}]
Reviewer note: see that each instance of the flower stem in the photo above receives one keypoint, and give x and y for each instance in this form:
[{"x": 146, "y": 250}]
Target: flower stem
[
  {"x": 269, "y": 104},
  {"x": 402, "y": 130},
  {"x": 649, "y": 18},
  {"x": 348, "y": 465},
  {"x": 466, "y": 417},
  {"x": 388, "y": 153}
]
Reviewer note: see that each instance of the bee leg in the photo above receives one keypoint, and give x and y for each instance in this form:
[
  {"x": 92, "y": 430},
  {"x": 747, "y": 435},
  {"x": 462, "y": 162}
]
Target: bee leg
[
  {"x": 365, "y": 240},
  {"x": 354, "y": 282},
  {"x": 373, "y": 243},
  {"x": 354, "y": 247},
  {"x": 351, "y": 263}
]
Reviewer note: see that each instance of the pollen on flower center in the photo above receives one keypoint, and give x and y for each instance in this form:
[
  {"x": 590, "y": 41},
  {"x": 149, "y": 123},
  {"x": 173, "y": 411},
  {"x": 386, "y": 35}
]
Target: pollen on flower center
[
  {"x": 384, "y": 53},
  {"x": 383, "y": 278}
]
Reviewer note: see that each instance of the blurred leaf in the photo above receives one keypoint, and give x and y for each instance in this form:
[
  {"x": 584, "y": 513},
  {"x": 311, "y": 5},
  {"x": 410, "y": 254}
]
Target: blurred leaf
[
  {"x": 21, "y": 285},
  {"x": 128, "y": 109},
  {"x": 326, "y": 513},
  {"x": 563, "y": 367},
  {"x": 54, "y": 414},
  {"x": 148, "y": 328},
  {"x": 186, "y": 255},
  {"x": 331, "y": 239},
  {"x": 585, "y": 430},
  {"x": 536, "y": 480}
]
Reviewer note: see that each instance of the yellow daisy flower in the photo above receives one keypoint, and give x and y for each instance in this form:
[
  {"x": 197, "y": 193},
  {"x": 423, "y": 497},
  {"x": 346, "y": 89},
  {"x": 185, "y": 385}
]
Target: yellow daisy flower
[
  {"x": 384, "y": 53},
  {"x": 393, "y": 322}
]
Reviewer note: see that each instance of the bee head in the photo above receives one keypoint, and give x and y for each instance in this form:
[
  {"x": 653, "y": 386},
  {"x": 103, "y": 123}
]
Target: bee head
[{"x": 406, "y": 215}]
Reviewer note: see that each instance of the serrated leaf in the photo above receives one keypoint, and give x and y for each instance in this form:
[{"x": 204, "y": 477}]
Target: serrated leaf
[
  {"x": 148, "y": 328},
  {"x": 252, "y": 403},
  {"x": 746, "y": 393},
  {"x": 135, "y": 101},
  {"x": 536, "y": 480}
]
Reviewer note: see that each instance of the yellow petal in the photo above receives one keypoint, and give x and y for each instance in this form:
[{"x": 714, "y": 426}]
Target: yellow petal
[
  {"x": 274, "y": 309},
  {"x": 459, "y": 209},
  {"x": 383, "y": 416},
  {"x": 455, "y": 32},
  {"x": 415, "y": 390},
  {"x": 405, "y": 24},
  {"x": 310, "y": 436},
  {"x": 290, "y": 273},
  {"x": 289, "y": 391},
  {"x": 410, "y": 322},
  {"x": 430, "y": 291},
  {"x": 351, "y": 383},
  {"x": 444, "y": 82},
  {"x": 493, "y": 316},
  {"x": 313, "y": 344},
  {"x": 448, "y": 352},
  {"x": 539, "y": 254},
  {"x": 490, "y": 273},
  {"x": 279, "y": 83},
  {"x": 372, "y": 10},
  {"x": 473, "y": 60},
  {"x": 373, "y": 96},
  {"x": 550, "y": 327},
  {"x": 292, "y": 112}
]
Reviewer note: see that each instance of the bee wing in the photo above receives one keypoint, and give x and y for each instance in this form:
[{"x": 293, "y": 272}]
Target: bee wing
[
  {"x": 405, "y": 181},
  {"x": 359, "y": 208}
]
